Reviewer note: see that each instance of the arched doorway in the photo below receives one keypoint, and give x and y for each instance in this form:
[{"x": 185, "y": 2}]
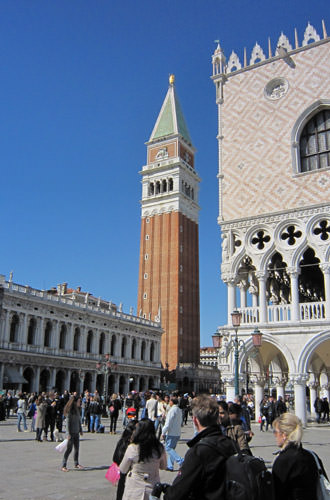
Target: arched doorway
[
  {"x": 28, "y": 374},
  {"x": 44, "y": 381},
  {"x": 74, "y": 382},
  {"x": 122, "y": 384},
  {"x": 60, "y": 381},
  {"x": 88, "y": 382}
]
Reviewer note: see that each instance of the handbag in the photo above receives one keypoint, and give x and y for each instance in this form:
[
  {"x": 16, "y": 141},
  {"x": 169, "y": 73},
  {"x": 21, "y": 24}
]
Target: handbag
[
  {"x": 62, "y": 446},
  {"x": 323, "y": 485},
  {"x": 113, "y": 474}
]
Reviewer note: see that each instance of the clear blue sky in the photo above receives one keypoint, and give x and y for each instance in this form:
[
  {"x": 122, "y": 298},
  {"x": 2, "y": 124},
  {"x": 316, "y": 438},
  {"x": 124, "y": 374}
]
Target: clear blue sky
[{"x": 82, "y": 83}]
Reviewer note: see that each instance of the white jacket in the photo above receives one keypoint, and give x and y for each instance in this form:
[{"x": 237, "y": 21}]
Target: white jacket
[{"x": 173, "y": 422}]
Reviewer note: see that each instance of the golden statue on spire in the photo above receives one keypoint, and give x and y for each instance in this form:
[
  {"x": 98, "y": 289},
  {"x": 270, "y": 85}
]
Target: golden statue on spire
[{"x": 171, "y": 79}]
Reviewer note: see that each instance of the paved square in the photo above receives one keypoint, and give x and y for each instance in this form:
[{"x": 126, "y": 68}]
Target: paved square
[{"x": 32, "y": 470}]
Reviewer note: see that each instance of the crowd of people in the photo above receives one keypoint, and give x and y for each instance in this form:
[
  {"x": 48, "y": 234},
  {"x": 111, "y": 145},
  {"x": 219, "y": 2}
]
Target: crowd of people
[{"x": 153, "y": 423}]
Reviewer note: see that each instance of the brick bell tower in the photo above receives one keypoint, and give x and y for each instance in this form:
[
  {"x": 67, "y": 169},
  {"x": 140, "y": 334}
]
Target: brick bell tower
[{"x": 169, "y": 260}]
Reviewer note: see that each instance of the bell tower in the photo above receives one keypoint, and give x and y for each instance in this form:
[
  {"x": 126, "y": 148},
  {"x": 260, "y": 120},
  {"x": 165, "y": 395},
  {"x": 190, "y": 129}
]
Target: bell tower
[{"x": 169, "y": 260}]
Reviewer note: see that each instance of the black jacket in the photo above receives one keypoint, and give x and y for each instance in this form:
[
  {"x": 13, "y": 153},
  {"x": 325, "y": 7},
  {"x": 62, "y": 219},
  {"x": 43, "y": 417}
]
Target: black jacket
[
  {"x": 295, "y": 474},
  {"x": 202, "y": 476}
]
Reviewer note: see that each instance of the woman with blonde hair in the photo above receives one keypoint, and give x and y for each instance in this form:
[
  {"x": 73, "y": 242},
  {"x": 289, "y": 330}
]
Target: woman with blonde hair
[{"x": 295, "y": 473}]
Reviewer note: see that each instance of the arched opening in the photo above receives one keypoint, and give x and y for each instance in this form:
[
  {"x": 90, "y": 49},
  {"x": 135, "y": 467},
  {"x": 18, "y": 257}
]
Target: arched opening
[
  {"x": 123, "y": 347},
  {"x": 28, "y": 374},
  {"x": 278, "y": 282},
  {"x": 100, "y": 382},
  {"x": 311, "y": 280},
  {"x": 89, "y": 346},
  {"x": 47, "y": 336},
  {"x": 113, "y": 345},
  {"x": 142, "y": 384},
  {"x": 152, "y": 352},
  {"x": 74, "y": 382},
  {"x": 88, "y": 382},
  {"x": 76, "y": 339},
  {"x": 101, "y": 343},
  {"x": 122, "y": 385},
  {"x": 60, "y": 382},
  {"x": 315, "y": 142},
  {"x": 44, "y": 381},
  {"x": 143, "y": 350},
  {"x": 14, "y": 324},
  {"x": 31, "y": 331},
  {"x": 133, "y": 351},
  {"x": 63, "y": 332},
  {"x": 151, "y": 384}
]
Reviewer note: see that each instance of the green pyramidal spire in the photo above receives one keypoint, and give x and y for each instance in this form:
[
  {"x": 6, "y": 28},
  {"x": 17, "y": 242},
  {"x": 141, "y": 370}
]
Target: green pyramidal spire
[{"x": 170, "y": 120}]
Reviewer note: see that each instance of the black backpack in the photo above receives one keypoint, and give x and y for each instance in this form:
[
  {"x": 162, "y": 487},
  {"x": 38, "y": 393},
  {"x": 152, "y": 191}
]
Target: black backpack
[{"x": 247, "y": 478}]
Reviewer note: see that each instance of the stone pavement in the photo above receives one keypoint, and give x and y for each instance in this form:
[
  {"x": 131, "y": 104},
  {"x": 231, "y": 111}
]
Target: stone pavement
[{"x": 32, "y": 470}]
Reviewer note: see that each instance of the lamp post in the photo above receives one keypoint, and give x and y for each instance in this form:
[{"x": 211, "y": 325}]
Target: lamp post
[
  {"x": 104, "y": 366},
  {"x": 236, "y": 344}
]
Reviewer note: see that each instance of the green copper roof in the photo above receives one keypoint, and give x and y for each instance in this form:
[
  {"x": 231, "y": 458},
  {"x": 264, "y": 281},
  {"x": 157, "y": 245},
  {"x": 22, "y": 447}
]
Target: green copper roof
[{"x": 170, "y": 119}]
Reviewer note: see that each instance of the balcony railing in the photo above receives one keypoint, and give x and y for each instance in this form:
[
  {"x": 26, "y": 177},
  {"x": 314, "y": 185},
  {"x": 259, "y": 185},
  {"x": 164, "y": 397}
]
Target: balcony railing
[{"x": 309, "y": 311}]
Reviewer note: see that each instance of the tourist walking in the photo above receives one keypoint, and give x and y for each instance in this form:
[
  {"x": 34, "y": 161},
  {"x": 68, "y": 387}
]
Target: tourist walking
[
  {"x": 114, "y": 407},
  {"x": 21, "y": 413},
  {"x": 73, "y": 430},
  {"x": 142, "y": 461},
  {"x": 41, "y": 416},
  {"x": 171, "y": 433}
]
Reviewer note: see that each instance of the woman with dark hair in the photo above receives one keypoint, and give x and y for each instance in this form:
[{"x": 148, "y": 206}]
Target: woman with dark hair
[
  {"x": 142, "y": 461},
  {"x": 73, "y": 429},
  {"x": 119, "y": 453},
  {"x": 114, "y": 407}
]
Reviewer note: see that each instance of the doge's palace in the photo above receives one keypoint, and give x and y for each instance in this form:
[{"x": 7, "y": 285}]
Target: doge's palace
[{"x": 274, "y": 213}]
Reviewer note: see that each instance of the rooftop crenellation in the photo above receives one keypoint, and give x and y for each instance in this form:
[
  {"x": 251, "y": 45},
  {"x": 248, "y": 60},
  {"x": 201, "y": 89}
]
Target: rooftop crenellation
[{"x": 258, "y": 55}]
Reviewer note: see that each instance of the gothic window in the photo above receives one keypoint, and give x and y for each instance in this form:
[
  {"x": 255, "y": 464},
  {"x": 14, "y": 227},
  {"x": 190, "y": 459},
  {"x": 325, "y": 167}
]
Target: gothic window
[
  {"x": 113, "y": 345},
  {"x": 101, "y": 343},
  {"x": 89, "y": 345},
  {"x": 123, "y": 347},
  {"x": 311, "y": 280},
  {"x": 76, "y": 339},
  {"x": 14, "y": 328},
  {"x": 315, "y": 142},
  {"x": 32, "y": 331},
  {"x": 48, "y": 331},
  {"x": 170, "y": 185},
  {"x": 133, "y": 349},
  {"x": 143, "y": 350},
  {"x": 157, "y": 187},
  {"x": 151, "y": 188},
  {"x": 164, "y": 186},
  {"x": 62, "y": 337}
]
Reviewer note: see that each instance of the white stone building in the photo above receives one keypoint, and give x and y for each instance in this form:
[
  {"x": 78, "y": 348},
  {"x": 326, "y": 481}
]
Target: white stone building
[
  {"x": 274, "y": 213},
  {"x": 55, "y": 338}
]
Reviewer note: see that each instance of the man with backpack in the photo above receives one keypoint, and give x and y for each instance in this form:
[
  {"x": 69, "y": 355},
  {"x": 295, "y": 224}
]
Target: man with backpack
[{"x": 202, "y": 475}]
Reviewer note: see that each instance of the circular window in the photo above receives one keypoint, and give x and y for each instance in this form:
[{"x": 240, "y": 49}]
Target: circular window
[{"x": 276, "y": 88}]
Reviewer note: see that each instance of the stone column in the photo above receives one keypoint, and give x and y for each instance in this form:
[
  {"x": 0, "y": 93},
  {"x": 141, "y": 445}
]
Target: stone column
[
  {"x": 40, "y": 331},
  {"x": 312, "y": 396},
  {"x": 325, "y": 268},
  {"x": 259, "y": 384},
  {"x": 242, "y": 290},
  {"x": 55, "y": 339},
  {"x": 52, "y": 379},
  {"x": 299, "y": 382},
  {"x": 116, "y": 383},
  {"x": 69, "y": 338},
  {"x": 262, "y": 276},
  {"x": 23, "y": 338},
  {"x": 294, "y": 275},
  {"x": 280, "y": 391},
  {"x": 67, "y": 379},
  {"x": 94, "y": 375},
  {"x": 36, "y": 380},
  {"x": 231, "y": 291},
  {"x": 6, "y": 326}
]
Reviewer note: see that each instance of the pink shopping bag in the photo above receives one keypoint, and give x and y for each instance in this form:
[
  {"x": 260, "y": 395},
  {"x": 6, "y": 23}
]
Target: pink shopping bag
[{"x": 113, "y": 474}]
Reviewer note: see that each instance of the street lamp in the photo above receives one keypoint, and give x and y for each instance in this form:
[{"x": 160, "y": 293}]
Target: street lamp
[
  {"x": 236, "y": 343},
  {"x": 104, "y": 366},
  {"x": 236, "y": 317}
]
